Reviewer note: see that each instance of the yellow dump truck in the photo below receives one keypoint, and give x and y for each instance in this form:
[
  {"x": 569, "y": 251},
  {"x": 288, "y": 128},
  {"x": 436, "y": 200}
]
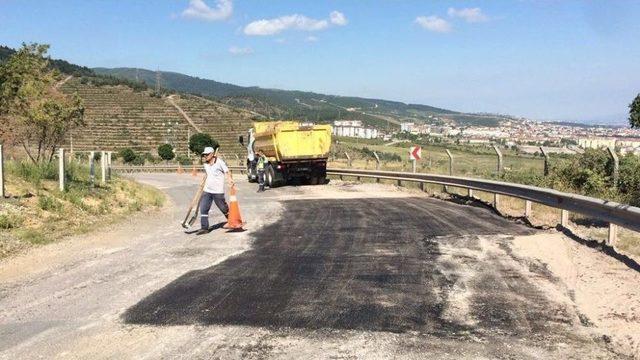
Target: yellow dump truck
[{"x": 294, "y": 151}]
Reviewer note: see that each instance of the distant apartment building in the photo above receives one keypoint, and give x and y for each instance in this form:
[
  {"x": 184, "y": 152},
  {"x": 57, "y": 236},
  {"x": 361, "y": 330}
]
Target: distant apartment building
[
  {"x": 596, "y": 143},
  {"x": 354, "y": 128},
  {"x": 407, "y": 126}
]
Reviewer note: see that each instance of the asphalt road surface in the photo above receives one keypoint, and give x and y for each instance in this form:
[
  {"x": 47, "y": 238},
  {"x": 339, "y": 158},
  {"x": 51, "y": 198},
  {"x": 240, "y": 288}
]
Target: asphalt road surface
[{"x": 331, "y": 271}]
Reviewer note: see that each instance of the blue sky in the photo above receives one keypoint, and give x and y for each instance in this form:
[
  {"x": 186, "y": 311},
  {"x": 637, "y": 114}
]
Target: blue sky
[{"x": 545, "y": 59}]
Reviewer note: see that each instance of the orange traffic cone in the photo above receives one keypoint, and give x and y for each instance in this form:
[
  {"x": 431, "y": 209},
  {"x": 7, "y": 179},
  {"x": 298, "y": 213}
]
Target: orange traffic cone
[
  {"x": 234, "y": 221},
  {"x": 194, "y": 172},
  {"x": 180, "y": 169}
]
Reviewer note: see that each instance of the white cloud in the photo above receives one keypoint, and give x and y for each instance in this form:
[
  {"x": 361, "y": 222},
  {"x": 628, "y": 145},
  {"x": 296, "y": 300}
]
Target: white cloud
[
  {"x": 434, "y": 23},
  {"x": 311, "y": 39},
  {"x": 198, "y": 9},
  {"x": 238, "y": 51},
  {"x": 293, "y": 22},
  {"x": 471, "y": 15},
  {"x": 338, "y": 18}
]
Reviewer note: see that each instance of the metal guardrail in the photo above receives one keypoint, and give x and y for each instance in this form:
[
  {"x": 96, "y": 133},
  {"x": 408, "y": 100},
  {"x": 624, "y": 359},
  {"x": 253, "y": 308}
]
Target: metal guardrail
[{"x": 614, "y": 213}]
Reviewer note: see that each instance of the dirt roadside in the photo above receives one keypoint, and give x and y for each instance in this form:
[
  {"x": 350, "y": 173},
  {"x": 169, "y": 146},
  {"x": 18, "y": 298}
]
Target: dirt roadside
[{"x": 604, "y": 290}]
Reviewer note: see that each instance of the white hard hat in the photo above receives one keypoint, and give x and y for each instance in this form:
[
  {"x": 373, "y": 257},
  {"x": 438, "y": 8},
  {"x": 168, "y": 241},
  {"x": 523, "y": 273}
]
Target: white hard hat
[{"x": 208, "y": 150}]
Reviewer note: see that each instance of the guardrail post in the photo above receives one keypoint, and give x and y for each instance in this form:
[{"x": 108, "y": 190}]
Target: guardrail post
[
  {"x": 470, "y": 192},
  {"x": 546, "y": 161},
  {"x": 377, "y": 164},
  {"x": 527, "y": 208},
  {"x": 496, "y": 201},
  {"x": 422, "y": 186},
  {"x": 103, "y": 167},
  {"x": 616, "y": 166},
  {"x": 564, "y": 218},
  {"x": 61, "y": 168},
  {"x": 92, "y": 168},
  {"x": 2, "y": 193},
  {"x": 613, "y": 234},
  {"x": 499, "y": 153}
]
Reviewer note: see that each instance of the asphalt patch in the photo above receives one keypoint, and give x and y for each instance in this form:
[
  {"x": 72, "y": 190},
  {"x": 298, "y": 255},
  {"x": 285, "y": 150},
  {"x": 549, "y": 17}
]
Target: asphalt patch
[{"x": 367, "y": 264}]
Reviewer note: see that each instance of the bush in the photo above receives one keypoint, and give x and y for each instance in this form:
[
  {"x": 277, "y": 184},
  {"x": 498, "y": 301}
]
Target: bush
[
  {"x": 138, "y": 160},
  {"x": 10, "y": 221},
  {"x": 49, "y": 203},
  {"x": 127, "y": 155},
  {"x": 197, "y": 142},
  {"x": 165, "y": 151},
  {"x": 183, "y": 160}
]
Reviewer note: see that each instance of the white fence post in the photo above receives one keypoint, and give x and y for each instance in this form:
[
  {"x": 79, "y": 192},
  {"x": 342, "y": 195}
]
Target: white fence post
[
  {"x": 377, "y": 164},
  {"x": 103, "y": 167},
  {"x": 499, "y": 153},
  {"x": 348, "y": 159},
  {"x": 92, "y": 168},
  {"x": 527, "y": 208},
  {"x": 450, "y": 161},
  {"x": 546, "y": 161},
  {"x": 2, "y": 193},
  {"x": 109, "y": 165},
  {"x": 61, "y": 168}
]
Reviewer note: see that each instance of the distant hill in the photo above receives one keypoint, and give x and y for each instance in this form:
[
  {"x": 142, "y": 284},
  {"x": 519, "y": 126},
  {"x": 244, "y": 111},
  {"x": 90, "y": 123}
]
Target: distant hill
[
  {"x": 61, "y": 65},
  {"x": 303, "y": 105}
]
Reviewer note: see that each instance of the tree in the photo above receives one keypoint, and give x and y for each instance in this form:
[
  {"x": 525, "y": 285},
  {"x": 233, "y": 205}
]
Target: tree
[
  {"x": 165, "y": 151},
  {"x": 199, "y": 141},
  {"x": 37, "y": 115},
  {"x": 634, "y": 112},
  {"x": 127, "y": 155}
]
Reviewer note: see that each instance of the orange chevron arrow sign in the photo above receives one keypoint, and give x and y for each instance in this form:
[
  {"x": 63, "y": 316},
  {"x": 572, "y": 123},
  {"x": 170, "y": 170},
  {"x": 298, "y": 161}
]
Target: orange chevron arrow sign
[{"x": 415, "y": 153}]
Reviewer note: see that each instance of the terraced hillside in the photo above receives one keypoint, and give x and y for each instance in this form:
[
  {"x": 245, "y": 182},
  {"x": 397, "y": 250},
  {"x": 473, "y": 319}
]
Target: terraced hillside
[
  {"x": 117, "y": 117},
  {"x": 222, "y": 121}
]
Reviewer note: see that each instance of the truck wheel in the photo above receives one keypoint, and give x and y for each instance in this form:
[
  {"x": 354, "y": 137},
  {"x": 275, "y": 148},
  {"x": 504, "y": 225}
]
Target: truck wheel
[
  {"x": 269, "y": 175},
  {"x": 249, "y": 174}
]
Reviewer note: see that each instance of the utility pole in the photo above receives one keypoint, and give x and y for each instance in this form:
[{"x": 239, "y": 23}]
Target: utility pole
[
  {"x": 158, "y": 81},
  {"x": 137, "y": 75},
  {"x": 188, "y": 137}
]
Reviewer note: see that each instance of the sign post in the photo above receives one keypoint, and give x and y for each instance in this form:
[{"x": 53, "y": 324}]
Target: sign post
[{"x": 415, "y": 153}]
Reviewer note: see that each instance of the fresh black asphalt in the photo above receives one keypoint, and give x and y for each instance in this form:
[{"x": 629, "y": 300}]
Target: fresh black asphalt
[{"x": 366, "y": 264}]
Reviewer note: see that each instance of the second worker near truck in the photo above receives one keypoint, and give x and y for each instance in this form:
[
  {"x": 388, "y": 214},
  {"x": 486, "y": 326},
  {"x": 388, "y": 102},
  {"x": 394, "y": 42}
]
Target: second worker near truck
[
  {"x": 217, "y": 171},
  {"x": 260, "y": 165}
]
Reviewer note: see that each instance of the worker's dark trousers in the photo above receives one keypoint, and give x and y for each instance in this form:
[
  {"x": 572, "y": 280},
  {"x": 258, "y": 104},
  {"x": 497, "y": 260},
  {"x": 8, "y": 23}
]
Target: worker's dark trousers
[
  {"x": 205, "y": 206},
  {"x": 261, "y": 180}
]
